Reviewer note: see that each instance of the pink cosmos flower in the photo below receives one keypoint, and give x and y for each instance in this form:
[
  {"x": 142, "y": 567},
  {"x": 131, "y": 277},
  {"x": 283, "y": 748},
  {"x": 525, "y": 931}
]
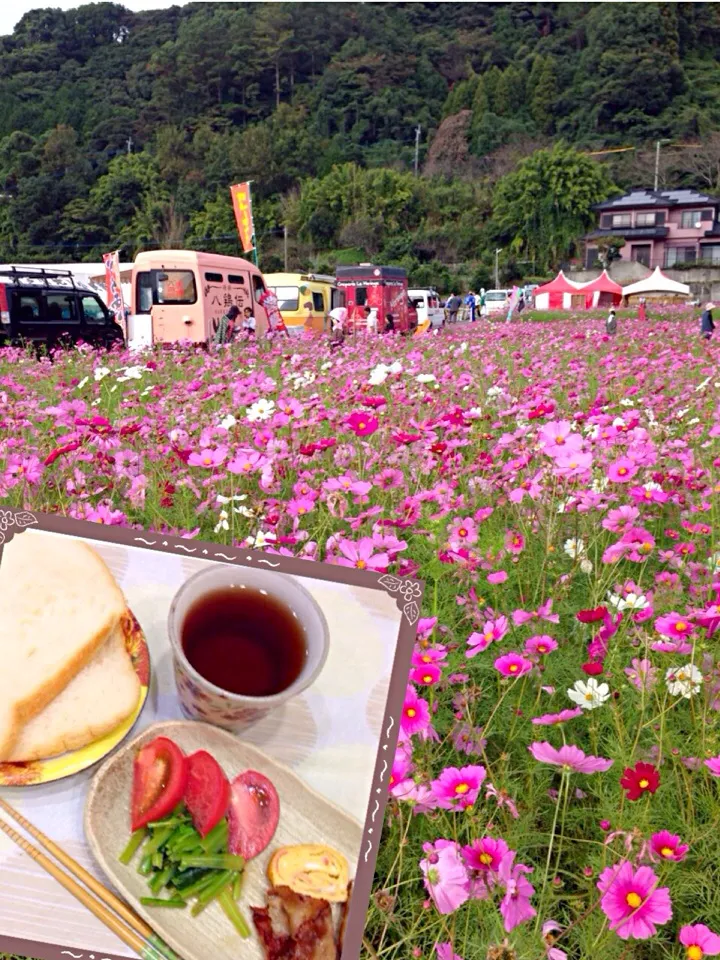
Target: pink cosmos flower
[
  {"x": 247, "y": 461},
  {"x": 513, "y": 665},
  {"x": 667, "y": 846},
  {"x": 427, "y": 675},
  {"x": 569, "y": 757},
  {"x": 492, "y": 630},
  {"x": 633, "y": 902},
  {"x": 446, "y": 878},
  {"x": 620, "y": 519},
  {"x": 361, "y": 555},
  {"x": 445, "y": 951},
  {"x": 551, "y": 719},
  {"x": 642, "y": 674},
  {"x": 485, "y": 854},
  {"x": 514, "y": 542},
  {"x": 551, "y": 952},
  {"x": 573, "y": 465},
  {"x": 416, "y": 713},
  {"x": 498, "y": 577},
  {"x": 299, "y": 506},
  {"x": 515, "y": 906},
  {"x": 422, "y": 656},
  {"x": 208, "y": 458},
  {"x": 671, "y": 646},
  {"x": 540, "y": 645},
  {"x": 622, "y": 470},
  {"x": 543, "y": 612},
  {"x": 650, "y": 493},
  {"x": 456, "y": 788},
  {"x": 462, "y": 532},
  {"x": 713, "y": 765},
  {"x": 362, "y": 424},
  {"x": 699, "y": 941},
  {"x": 557, "y": 438},
  {"x": 674, "y": 625}
]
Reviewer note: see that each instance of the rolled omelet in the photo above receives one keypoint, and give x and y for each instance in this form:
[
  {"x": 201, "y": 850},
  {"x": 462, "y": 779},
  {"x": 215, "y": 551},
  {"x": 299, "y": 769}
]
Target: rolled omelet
[{"x": 311, "y": 869}]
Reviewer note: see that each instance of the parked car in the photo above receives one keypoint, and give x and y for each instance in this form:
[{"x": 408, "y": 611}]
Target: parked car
[
  {"x": 53, "y": 309},
  {"x": 497, "y": 301},
  {"x": 427, "y": 303}
]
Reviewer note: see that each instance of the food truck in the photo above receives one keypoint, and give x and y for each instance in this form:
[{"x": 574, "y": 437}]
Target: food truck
[
  {"x": 182, "y": 294},
  {"x": 383, "y": 288},
  {"x": 305, "y": 299}
]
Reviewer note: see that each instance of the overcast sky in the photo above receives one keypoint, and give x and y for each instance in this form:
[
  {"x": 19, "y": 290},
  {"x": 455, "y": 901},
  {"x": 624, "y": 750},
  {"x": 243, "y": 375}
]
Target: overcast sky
[{"x": 12, "y": 10}]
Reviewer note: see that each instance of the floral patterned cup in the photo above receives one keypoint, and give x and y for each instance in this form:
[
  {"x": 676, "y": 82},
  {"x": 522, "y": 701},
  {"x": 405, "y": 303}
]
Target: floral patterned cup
[{"x": 202, "y": 700}]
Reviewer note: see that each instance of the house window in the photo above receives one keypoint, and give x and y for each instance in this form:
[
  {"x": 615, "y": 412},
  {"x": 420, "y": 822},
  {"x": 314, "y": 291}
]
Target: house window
[
  {"x": 621, "y": 220},
  {"x": 690, "y": 218},
  {"x": 645, "y": 220},
  {"x": 710, "y": 252},
  {"x": 592, "y": 258},
  {"x": 675, "y": 255},
  {"x": 640, "y": 253}
]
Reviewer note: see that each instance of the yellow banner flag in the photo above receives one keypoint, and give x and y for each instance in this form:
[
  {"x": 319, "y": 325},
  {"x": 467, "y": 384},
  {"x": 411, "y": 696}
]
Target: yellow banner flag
[{"x": 242, "y": 205}]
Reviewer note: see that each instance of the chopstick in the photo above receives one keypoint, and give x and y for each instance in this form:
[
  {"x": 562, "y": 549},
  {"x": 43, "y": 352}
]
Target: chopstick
[{"x": 134, "y": 932}]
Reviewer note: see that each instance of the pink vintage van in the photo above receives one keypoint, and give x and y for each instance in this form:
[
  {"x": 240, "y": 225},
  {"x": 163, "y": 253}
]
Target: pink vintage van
[{"x": 184, "y": 293}]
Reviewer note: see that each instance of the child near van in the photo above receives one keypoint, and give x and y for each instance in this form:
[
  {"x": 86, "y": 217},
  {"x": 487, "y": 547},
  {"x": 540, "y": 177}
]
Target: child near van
[
  {"x": 248, "y": 323},
  {"x": 389, "y": 323}
]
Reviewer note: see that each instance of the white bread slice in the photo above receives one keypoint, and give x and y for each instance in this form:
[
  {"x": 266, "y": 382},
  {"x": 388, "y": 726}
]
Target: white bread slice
[
  {"x": 100, "y": 697},
  {"x": 58, "y": 604}
]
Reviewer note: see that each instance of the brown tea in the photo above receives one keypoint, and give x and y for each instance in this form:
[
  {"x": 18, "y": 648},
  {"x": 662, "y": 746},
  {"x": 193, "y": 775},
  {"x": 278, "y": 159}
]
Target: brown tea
[{"x": 244, "y": 641}]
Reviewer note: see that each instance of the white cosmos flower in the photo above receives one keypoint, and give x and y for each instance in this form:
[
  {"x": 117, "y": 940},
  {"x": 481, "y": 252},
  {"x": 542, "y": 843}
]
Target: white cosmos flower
[
  {"x": 589, "y": 695},
  {"x": 262, "y": 409},
  {"x": 225, "y": 500},
  {"x": 574, "y": 548},
  {"x": 632, "y": 601},
  {"x": 586, "y": 565},
  {"x": 714, "y": 563},
  {"x": 82, "y": 383},
  {"x": 261, "y": 539},
  {"x": 222, "y": 524},
  {"x": 684, "y": 681},
  {"x": 228, "y": 422},
  {"x": 495, "y": 391},
  {"x": 426, "y": 378},
  {"x": 131, "y": 373},
  {"x": 101, "y": 373},
  {"x": 626, "y": 402}
]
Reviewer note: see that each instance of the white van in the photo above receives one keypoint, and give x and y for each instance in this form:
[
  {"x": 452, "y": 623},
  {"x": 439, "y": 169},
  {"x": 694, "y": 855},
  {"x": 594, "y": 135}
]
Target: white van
[
  {"x": 427, "y": 304},
  {"x": 497, "y": 301}
]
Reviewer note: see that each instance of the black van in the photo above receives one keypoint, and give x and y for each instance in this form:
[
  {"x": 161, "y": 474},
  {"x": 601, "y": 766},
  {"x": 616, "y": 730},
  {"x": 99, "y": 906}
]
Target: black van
[{"x": 49, "y": 307}]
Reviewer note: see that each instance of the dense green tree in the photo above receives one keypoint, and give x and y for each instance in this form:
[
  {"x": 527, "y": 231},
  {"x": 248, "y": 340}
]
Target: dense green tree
[
  {"x": 542, "y": 88},
  {"x": 543, "y": 207}
]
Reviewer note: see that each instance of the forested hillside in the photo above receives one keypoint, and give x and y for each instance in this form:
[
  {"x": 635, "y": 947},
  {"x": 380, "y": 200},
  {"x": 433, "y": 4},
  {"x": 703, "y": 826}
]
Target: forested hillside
[{"x": 125, "y": 130}]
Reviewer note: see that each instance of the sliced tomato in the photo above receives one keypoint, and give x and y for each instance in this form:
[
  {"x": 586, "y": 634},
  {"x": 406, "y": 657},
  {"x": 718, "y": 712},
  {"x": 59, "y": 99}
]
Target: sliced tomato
[
  {"x": 160, "y": 773},
  {"x": 207, "y": 793},
  {"x": 253, "y": 815}
]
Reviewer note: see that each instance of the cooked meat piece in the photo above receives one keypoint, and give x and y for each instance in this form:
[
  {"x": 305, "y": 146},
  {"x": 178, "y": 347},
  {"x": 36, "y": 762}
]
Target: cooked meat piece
[
  {"x": 344, "y": 910},
  {"x": 315, "y": 940},
  {"x": 299, "y": 909},
  {"x": 276, "y": 947},
  {"x": 278, "y": 916}
]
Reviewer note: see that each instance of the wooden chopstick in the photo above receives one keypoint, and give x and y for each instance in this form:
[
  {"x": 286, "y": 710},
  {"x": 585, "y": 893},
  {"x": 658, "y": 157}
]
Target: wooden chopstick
[{"x": 133, "y": 931}]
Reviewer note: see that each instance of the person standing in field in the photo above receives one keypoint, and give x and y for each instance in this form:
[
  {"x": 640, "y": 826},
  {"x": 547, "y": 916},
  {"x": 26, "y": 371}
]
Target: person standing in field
[
  {"x": 248, "y": 323},
  {"x": 470, "y": 307},
  {"x": 611, "y": 323},
  {"x": 482, "y": 300},
  {"x": 226, "y": 331},
  {"x": 707, "y": 325},
  {"x": 641, "y": 309},
  {"x": 452, "y": 306}
]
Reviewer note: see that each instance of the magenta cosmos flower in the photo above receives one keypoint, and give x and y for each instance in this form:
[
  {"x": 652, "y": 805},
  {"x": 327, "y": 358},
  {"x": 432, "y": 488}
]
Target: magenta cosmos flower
[
  {"x": 515, "y": 906},
  {"x": 513, "y": 665},
  {"x": 445, "y": 951},
  {"x": 633, "y": 902},
  {"x": 622, "y": 470},
  {"x": 667, "y": 846},
  {"x": 208, "y": 458},
  {"x": 485, "y": 854},
  {"x": 713, "y": 765},
  {"x": 673, "y": 625},
  {"x": 362, "y": 424},
  {"x": 416, "y": 713},
  {"x": 699, "y": 941},
  {"x": 569, "y": 757},
  {"x": 540, "y": 645},
  {"x": 456, "y": 788},
  {"x": 361, "y": 555},
  {"x": 426, "y": 675}
]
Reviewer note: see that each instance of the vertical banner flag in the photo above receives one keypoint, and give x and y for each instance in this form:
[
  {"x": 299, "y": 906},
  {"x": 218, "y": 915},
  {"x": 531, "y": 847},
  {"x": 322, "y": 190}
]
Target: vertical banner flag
[
  {"x": 242, "y": 205},
  {"x": 269, "y": 301},
  {"x": 113, "y": 287}
]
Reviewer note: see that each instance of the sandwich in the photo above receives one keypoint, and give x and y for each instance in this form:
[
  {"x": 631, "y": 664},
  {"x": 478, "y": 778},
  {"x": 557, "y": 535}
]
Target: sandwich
[{"x": 66, "y": 675}]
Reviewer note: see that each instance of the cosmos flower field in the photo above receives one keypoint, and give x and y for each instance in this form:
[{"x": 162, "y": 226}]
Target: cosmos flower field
[{"x": 556, "y": 790}]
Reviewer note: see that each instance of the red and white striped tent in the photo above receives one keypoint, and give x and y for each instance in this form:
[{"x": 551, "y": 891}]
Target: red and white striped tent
[
  {"x": 602, "y": 292},
  {"x": 557, "y": 294}
]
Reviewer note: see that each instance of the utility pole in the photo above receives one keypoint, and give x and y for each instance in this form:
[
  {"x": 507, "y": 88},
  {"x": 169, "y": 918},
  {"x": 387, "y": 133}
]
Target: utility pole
[
  {"x": 285, "y": 246},
  {"x": 658, "y": 144},
  {"x": 497, "y": 275},
  {"x": 417, "y": 147},
  {"x": 129, "y": 144}
]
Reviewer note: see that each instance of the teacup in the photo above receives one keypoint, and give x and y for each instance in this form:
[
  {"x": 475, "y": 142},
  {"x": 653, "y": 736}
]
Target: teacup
[{"x": 202, "y": 700}]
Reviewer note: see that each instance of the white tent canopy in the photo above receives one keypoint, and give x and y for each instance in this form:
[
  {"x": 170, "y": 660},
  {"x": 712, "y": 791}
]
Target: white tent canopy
[{"x": 656, "y": 282}]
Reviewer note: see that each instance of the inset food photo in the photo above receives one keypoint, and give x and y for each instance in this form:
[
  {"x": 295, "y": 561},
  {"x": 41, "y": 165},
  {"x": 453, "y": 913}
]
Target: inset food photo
[{"x": 195, "y": 745}]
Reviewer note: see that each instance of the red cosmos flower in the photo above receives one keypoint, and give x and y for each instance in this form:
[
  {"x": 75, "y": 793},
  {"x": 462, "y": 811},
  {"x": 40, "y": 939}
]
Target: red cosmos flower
[
  {"x": 542, "y": 410},
  {"x": 592, "y": 669},
  {"x": 59, "y": 451},
  {"x": 591, "y": 616},
  {"x": 640, "y": 779},
  {"x": 440, "y": 447},
  {"x": 373, "y": 402},
  {"x": 402, "y": 437},
  {"x": 362, "y": 425}
]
